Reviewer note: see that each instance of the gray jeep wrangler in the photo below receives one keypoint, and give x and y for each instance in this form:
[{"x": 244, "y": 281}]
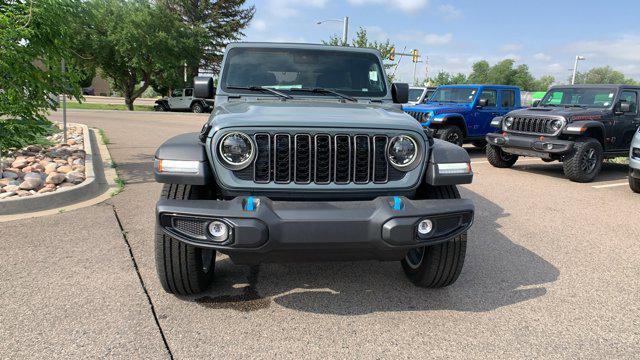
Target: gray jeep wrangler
[{"x": 307, "y": 156}]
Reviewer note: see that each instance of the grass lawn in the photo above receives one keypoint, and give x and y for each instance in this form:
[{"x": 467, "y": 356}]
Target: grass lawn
[{"x": 75, "y": 105}]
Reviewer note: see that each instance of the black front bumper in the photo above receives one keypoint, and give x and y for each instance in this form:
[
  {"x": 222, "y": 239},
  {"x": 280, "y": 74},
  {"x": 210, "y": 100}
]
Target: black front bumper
[
  {"x": 264, "y": 230},
  {"x": 536, "y": 146}
]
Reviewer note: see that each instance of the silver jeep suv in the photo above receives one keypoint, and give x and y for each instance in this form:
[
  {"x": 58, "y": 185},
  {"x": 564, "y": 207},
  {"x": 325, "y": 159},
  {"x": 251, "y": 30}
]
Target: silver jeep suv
[{"x": 634, "y": 163}]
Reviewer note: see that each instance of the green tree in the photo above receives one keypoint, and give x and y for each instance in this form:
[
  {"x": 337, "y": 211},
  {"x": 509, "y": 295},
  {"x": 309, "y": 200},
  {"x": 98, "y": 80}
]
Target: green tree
[
  {"x": 362, "y": 41},
  {"x": 441, "y": 78},
  {"x": 543, "y": 83},
  {"x": 603, "y": 75},
  {"x": 34, "y": 38},
  {"x": 459, "y": 78},
  {"x": 134, "y": 42},
  {"x": 479, "y": 72},
  {"x": 219, "y": 21}
]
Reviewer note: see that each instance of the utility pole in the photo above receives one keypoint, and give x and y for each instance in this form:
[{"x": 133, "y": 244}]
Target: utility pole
[{"x": 575, "y": 68}]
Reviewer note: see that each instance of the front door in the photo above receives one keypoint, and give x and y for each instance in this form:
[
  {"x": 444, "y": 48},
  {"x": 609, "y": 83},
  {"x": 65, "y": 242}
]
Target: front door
[
  {"x": 485, "y": 114},
  {"x": 175, "y": 100},
  {"x": 625, "y": 125}
]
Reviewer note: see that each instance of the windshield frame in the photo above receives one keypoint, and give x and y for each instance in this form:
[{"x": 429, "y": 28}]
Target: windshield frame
[
  {"x": 603, "y": 88},
  {"x": 432, "y": 99},
  {"x": 223, "y": 90}
]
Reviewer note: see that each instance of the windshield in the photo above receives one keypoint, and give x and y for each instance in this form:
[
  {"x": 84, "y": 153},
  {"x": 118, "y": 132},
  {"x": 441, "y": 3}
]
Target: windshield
[
  {"x": 454, "y": 95},
  {"x": 588, "y": 97},
  {"x": 415, "y": 94},
  {"x": 348, "y": 72}
]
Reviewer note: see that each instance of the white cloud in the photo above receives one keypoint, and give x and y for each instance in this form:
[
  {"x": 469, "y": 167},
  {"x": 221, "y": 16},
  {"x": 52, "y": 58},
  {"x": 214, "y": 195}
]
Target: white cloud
[
  {"x": 290, "y": 8},
  {"x": 404, "y": 5},
  {"x": 449, "y": 12},
  {"x": 541, "y": 57},
  {"x": 511, "y": 56},
  {"x": 259, "y": 25},
  {"x": 511, "y": 47},
  {"x": 436, "y": 39},
  {"x": 625, "y": 47}
]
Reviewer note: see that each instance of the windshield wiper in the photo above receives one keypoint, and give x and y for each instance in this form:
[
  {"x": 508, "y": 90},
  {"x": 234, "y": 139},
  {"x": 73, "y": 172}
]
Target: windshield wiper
[
  {"x": 325, "y": 91},
  {"x": 575, "y": 105},
  {"x": 261, "y": 88}
]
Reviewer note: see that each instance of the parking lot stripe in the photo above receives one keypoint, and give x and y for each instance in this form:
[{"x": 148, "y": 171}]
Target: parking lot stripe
[{"x": 610, "y": 185}]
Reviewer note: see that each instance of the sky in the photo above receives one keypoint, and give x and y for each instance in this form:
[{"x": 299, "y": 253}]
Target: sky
[{"x": 545, "y": 35}]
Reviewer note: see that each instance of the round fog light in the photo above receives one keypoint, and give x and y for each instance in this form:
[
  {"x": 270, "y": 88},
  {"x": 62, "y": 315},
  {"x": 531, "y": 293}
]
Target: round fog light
[
  {"x": 425, "y": 227},
  {"x": 219, "y": 231},
  {"x": 549, "y": 146}
]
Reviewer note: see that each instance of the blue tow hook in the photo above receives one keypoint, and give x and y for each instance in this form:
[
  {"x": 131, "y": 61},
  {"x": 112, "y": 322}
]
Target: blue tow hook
[
  {"x": 249, "y": 206},
  {"x": 397, "y": 203}
]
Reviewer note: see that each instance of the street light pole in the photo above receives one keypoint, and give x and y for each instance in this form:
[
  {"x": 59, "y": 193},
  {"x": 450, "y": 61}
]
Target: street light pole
[
  {"x": 345, "y": 27},
  {"x": 575, "y": 68}
]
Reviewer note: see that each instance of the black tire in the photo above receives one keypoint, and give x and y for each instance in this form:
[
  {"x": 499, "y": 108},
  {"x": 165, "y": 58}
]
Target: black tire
[
  {"x": 480, "y": 144},
  {"x": 182, "y": 269},
  {"x": 159, "y": 108},
  {"x": 585, "y": 162},
  {"x": 451, "y": 133},
  {"x": 197, "y": 108},
  {"x": 634, "y": 184},
  {"x": 439, "y": 265},
  {"x": 500, "y": 159}
]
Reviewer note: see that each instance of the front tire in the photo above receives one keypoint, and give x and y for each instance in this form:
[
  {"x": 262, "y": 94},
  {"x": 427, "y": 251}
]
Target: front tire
[
  {"x": 451, "y": 133},
  {"x": 439, "y": 265},
  {"x": 500, "y": 159},
  {"x": 585, "y": 163},
  {"x": 634, "y": 184},
  {"x": 182, "y": 269}
]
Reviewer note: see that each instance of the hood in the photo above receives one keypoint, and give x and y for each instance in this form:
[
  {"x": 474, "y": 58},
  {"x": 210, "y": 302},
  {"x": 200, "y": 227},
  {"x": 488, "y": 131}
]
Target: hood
[
  {"x": 438, "y": 108},
  {"x": 317, "y": 114},
  {"x": 569, "y": 113}
]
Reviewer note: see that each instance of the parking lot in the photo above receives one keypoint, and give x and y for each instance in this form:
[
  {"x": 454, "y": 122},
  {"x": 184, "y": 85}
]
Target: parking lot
[{"x": 551, "y": 271}]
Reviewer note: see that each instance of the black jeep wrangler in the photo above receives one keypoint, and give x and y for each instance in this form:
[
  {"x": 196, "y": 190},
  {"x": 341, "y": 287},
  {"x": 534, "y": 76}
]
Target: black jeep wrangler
[
  {"x": 308, "y": 156},
  {"x": 579, "y": 125}
]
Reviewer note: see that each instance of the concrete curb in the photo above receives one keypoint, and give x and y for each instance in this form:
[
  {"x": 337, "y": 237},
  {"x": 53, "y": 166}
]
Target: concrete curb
[{"x": 100, "y": 181}]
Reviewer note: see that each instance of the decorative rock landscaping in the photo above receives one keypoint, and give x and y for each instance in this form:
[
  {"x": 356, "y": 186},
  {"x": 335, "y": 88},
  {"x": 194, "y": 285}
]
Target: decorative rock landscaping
[{"x": 37, "y": 170}]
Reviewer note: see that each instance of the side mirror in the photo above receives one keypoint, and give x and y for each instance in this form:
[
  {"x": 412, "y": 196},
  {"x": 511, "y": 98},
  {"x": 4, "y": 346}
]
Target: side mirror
[
  {"x": 483, "y": 102},
  {"x": 400, "y": 93},
  {"x": 623, "y": 107},
  {"x": 536, "y": 103},
  {"x": 203, "y": 87}
]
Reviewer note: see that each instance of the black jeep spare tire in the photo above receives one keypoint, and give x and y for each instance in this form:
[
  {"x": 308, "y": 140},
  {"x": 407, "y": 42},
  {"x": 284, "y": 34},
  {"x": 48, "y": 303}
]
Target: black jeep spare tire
[
  {"x": 182, "y": 269},
  {"x": 439, "y": 265}
]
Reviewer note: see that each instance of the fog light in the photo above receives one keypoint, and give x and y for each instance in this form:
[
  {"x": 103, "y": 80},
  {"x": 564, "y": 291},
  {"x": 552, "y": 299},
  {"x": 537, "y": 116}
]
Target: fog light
[
  {"x": 425, "y": 227},
  {"x": 219, "y": 231},
  {"x": 549, "y": 146}
]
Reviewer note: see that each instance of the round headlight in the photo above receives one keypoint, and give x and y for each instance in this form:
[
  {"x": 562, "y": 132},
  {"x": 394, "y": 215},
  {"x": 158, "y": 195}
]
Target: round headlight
[
  {"x": 508, "y": 122},
  {"x": 236, "y": 150},
  {"x": 555, "y": 125},
  {"x": 403, "y": 152}
]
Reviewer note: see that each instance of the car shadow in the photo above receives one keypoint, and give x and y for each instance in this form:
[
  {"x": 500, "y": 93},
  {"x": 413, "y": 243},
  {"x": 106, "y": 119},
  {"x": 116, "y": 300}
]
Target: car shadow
[
  {"x": 138, "y": 170},
  {"x": 610, "y": 171},
  {"x": 497, "y": 272}
]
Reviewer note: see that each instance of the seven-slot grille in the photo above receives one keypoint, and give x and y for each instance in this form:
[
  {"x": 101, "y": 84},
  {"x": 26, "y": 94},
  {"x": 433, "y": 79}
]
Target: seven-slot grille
[
  {"x": 536, "y": 125},
  {"x": 418, "y": 115},
  {"x": 320, "y": 158}
]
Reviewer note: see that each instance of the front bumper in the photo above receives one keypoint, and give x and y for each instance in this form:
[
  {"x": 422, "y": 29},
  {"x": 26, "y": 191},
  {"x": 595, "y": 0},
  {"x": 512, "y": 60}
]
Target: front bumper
[
  {"x": 264, "y": 230},
  {"x": 536, "y": 146}
]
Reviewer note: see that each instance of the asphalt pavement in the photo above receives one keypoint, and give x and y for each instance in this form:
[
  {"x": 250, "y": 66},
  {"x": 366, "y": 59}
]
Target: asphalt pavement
[{"x": 552, "y": 271}]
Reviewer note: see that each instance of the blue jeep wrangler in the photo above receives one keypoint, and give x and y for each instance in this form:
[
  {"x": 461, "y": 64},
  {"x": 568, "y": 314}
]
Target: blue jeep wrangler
[{"x": 463, "y": 113}]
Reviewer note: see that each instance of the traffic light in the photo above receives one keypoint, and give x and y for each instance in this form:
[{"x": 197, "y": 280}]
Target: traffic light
[
  {"x": 414, "y": 55},
  {"x": 392, "y": 54}
]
